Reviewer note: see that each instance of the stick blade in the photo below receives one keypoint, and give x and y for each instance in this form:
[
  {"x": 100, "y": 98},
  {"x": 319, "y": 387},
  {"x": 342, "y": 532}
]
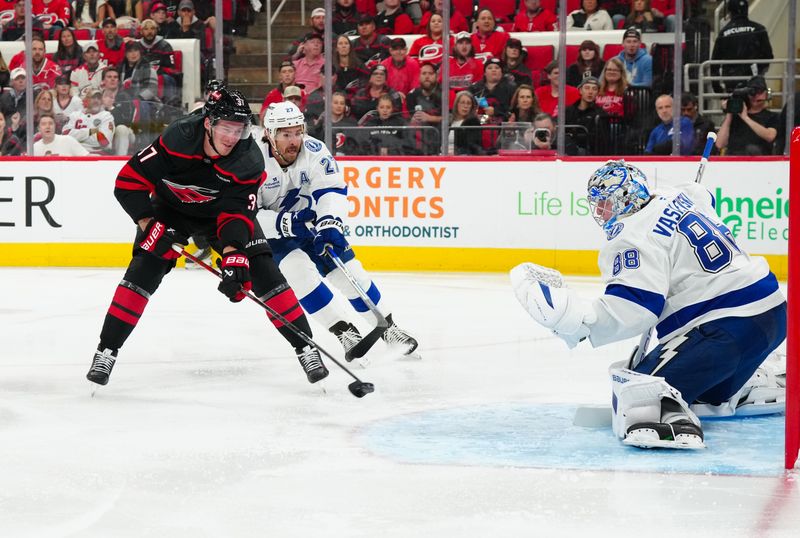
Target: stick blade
[
  {"x": 359, "y": 389},
  {"x": 366, "y": 343},
  {"x": 592, "y": 416}
]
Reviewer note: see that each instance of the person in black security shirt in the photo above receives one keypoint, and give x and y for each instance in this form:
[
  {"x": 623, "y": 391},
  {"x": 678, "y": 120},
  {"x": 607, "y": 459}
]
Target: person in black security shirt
[
  {"x": 753, "y": 130},
  {"x": 740, "y": 39},
  {"x": 199, "y": 178}
]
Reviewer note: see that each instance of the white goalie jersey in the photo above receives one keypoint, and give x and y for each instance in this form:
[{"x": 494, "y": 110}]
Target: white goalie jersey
[
  {"x": 675, "y": 265},
  {"x": 313, "y": 181}
]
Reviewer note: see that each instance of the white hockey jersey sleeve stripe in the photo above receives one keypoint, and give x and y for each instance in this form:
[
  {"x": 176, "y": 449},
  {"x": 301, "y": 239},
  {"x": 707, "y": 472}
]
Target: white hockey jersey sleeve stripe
[
  {"x": 756, "y": 294},
  {"x": 654, "y": 302}
]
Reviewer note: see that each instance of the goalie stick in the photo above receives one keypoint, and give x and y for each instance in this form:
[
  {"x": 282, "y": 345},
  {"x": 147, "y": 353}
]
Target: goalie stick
[
  {"x": 598, "y": 416},
  {"x": 357, "y": 388},
  {"x": 361, "y": 348}
]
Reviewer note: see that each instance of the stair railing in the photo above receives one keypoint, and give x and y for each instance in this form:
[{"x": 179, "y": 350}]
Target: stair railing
[{"x": 270, "y": 20}]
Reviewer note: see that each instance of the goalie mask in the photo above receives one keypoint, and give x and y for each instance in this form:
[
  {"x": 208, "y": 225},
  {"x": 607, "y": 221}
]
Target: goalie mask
[{"x": 617, "y": 189}]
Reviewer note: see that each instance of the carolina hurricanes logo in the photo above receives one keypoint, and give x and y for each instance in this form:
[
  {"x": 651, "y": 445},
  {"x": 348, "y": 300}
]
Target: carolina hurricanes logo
[
  {"x": 340, "y": 139},
  {"x": 191, "y": 194},
  {"x": 431, "y": 53},
  {"x": 47, "y": 18}
]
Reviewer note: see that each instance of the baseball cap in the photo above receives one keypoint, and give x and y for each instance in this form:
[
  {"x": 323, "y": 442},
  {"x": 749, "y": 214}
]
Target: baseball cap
[
  {"x": 186, "y": 4},
  {"x": 318, "y": 12},
  {"x": 589, "y": 80},
  {"x": 460, "y": 36},
  {"x": 514, "y": 43},
  {"x": 312, "y": 35},
  {"x": 62, "y": 79},
  {"x": 292, "y": 91},
  {"x": 365, "y": 18},
  {"x": 632, "y": 32},
  {"x": 108, "y": 21},
  {"x": 286, "y": 63},
  {"x": 90, "y": 45},
  {"x": 397, "y": 43},
  {"x": 380, "y": 68},
  {"x": 18, "y": 72},
  {"x": 158, "y": 5},
  {"x": 90, "y": 90},
  {"x": 757, "y": 83}
]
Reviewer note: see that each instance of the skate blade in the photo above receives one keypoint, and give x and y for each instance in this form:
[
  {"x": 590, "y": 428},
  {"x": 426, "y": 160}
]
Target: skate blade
[
  {"x": 321, "y": 387},
  {"x": 363, "y": 362},
  {"x": 93, "y": 388},
  {"x": 682, "y": 442}
]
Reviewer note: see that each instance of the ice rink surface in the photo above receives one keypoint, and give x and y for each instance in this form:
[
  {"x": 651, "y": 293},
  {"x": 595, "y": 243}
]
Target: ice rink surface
[{"x": 208, "y": 427}]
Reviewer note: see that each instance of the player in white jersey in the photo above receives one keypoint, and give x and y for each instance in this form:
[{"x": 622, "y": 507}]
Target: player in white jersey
[
  {"x": 94, "y": 126},
  {"x": 669, "y": 262},
  {"x": 304, "y": 187}
]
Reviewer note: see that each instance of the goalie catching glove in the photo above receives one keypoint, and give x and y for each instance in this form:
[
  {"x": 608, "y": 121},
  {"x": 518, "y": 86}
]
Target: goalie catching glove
[
  {"x": 235, "y": 268},
  {"x": 542, "y": 293},
  {"x": 330, "y": 231}
]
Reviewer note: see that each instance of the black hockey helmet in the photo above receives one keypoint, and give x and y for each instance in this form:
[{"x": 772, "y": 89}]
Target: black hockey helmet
[{"x": 223, "y": 103}]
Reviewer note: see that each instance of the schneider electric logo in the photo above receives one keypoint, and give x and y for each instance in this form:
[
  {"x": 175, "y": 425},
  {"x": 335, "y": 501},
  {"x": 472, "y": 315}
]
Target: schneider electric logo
[{"x": 755, "y": 218}]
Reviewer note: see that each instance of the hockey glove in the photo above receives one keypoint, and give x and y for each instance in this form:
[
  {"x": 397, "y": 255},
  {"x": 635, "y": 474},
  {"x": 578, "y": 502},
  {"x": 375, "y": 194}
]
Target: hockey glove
[
  {"x": 330, "y": 231},
  {"x": 294, "y": 223},
  {"x": 541, "y": 293},
  {"x": 235, "y": 275},
  {"x": 158, "y": 240}
]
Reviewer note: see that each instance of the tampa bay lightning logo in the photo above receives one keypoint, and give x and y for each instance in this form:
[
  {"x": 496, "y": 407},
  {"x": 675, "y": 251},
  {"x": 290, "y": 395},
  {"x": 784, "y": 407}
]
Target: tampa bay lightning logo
[
  {"x": 313, "y": 145},
  {"x": 614, "y": 231}
]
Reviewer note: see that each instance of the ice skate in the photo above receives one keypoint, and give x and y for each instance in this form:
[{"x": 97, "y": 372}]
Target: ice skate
[
  {"x": 682, "y": 433},
  {"x": 312, "y": 364},
  {"x": 397, "y": 337},
  {"x": 349, "y": 337},
  {"x": 102, "y": 364}
]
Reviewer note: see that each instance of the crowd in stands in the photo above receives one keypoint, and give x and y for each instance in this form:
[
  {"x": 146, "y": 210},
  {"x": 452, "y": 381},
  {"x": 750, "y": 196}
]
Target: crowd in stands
[
  {"x": 124, "y": 80},
  {"x": 503, "y": 95}
]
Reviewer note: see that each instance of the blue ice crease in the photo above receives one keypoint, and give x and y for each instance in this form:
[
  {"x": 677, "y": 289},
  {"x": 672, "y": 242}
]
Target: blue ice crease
[{"x": 542, "y": 436}]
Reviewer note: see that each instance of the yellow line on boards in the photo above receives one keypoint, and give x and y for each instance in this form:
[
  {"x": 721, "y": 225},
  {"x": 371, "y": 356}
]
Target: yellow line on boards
[{"x": 570, "y": 262}]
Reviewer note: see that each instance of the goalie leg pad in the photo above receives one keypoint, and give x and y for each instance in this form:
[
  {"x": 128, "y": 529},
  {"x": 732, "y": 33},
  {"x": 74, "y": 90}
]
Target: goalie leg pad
[
  {"x": 648, "y": 413},
  {"x": 763, "y": 394}
]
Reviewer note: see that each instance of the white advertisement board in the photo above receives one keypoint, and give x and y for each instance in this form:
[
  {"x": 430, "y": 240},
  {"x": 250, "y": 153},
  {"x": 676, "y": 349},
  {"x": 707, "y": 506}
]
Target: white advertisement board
[{"x": 490, "y": 203}]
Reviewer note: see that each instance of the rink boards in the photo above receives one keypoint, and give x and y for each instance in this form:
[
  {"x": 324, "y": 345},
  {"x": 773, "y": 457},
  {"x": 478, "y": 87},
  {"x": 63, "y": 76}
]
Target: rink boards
[{"x": 412, "y": 214}]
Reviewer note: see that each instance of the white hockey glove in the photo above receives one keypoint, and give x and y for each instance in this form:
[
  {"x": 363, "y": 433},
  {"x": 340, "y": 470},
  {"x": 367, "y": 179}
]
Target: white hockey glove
[{"x": 542, "y": 293}]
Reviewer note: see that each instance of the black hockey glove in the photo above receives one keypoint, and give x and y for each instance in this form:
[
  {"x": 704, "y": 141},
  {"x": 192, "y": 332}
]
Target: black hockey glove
[
  {"x": 330, "y": 231},
  {"x": 293, "y": 223},
  {"x": 158, "y": 240},
  {"x": 235, "y": 275}
]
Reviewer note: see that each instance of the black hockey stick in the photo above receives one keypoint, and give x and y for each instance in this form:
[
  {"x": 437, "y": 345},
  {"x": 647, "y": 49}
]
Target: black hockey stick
[
  {"x": 358, "y": 388},
  {"x": 361, "y": 348}
]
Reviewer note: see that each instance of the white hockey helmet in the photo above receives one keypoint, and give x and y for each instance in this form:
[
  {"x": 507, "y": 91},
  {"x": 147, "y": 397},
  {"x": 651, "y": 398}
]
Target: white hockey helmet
[
  {"x": 281, "y": 115},
  {"x": 615, "y": 190}
]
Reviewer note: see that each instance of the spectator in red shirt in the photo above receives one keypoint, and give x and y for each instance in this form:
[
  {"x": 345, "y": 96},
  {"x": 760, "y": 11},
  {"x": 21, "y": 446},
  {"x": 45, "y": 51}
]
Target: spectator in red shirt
[
  {"x": 402, "y": 72},
  {"x": 286, "y": 74},
  {"x": 45, "y": 70},
  {"x": 465, "y": 69},
  {"x": 111, "y": 46},
  {"x": 534, "y": 18},
  {"x": 371, "y": 48},
  {"x": 458, "y": 23},
  {"x": 430, "y": 47},
  {"x": 393, "y": 20},
  {"x": 613, "y": 83},
  {"x": 548, "y": 95},
  {"x": 54, "y": 14},
  {"x": 487, "y": 41}
]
